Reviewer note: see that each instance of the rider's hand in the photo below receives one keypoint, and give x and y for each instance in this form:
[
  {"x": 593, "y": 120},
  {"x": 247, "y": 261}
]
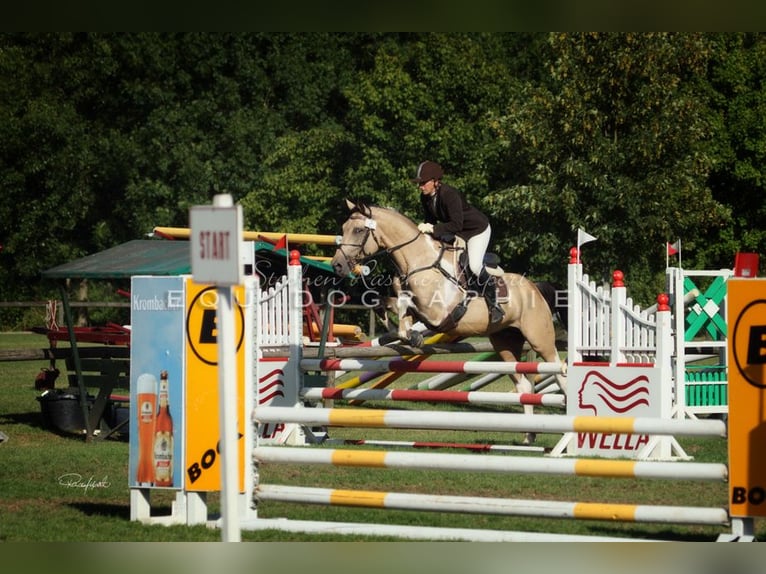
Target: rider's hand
[{"x": 426, "y": 228}]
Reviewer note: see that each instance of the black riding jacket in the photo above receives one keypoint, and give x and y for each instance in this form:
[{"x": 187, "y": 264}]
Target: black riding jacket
[{"x": 449, "y": 212}]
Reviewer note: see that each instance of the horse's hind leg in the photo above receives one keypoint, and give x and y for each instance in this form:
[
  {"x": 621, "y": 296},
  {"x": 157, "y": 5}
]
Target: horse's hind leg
[
  {"x": 540, "y": 333},
  {"x": 509, "y": 344},
  {"x": 553, "y": 357}
]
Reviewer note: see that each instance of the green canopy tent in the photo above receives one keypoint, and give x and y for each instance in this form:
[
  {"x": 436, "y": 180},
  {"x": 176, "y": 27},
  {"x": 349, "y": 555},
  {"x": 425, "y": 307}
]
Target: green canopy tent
[
  {"x": 138, "y": 257},
  {"x": 142, "y": 257}
]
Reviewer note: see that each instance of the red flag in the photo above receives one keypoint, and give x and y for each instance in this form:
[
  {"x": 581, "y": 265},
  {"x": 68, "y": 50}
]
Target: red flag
[
  {"x": 673, "y": 248},
  {"x": 282, "y": 243}
]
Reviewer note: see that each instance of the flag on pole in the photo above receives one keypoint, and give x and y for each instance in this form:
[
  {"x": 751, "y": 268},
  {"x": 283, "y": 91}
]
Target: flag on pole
[
  {"x": 583, "y": 237},
  {"x": 672, "y": 249},
  {"x": 281, "y": 244}
]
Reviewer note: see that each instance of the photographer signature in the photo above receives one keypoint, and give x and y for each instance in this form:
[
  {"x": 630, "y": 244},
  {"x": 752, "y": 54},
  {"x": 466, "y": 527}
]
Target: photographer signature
[{"x": 75, "y": 480}]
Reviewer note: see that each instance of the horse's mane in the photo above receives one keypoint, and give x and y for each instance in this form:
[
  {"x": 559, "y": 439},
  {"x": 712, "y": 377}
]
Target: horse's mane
[{"x": 366, "y": 210}]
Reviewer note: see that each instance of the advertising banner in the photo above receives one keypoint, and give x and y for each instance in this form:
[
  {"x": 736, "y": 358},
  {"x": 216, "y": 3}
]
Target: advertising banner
[
  {"x": 746, "y": 318},
  {"x": 156, "y": 382},
  {"x": 596, "y": 390},
  {"x": 203, "y": 430}
]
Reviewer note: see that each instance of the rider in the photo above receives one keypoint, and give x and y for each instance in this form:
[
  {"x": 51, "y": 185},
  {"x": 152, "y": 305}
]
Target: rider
[{"x": 446, "y": 212}]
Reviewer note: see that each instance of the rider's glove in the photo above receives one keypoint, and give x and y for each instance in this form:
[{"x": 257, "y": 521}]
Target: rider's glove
[{"x": 426, "y": 228}]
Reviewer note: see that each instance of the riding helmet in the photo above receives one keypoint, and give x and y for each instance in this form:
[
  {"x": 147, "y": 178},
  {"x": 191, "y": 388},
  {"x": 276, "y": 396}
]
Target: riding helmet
[{"x": 427, "y": 171}]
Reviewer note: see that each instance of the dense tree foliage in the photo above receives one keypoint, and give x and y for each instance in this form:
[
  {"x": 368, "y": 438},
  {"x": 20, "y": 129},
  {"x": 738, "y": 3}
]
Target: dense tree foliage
[
  {"x": 637, "y": 138},
  {"x": 617, "y": 143}
]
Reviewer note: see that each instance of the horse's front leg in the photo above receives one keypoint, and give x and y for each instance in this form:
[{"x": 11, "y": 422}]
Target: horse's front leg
[
  {"x": 382, "y": 310},
  {"x": 509, "y": 344},
  {"x": 524, "y": 385},
  {"x": 403, "y": 304}
]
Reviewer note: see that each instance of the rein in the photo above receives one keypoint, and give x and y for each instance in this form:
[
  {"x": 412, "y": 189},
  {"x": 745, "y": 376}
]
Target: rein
[
  {"x": 371, "y": 226},
  {"x": 434, "y": 265},
  {"x": 389, "y": 250},
  {"x": 384, "y": 251},
  {"x": 456, "y": 313}
]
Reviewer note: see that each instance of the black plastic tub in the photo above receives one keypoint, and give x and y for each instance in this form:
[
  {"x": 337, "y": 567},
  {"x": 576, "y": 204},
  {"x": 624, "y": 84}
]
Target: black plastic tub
[
  {"x": 119, "y": 413},
  {"x": 61, "y": 410}
]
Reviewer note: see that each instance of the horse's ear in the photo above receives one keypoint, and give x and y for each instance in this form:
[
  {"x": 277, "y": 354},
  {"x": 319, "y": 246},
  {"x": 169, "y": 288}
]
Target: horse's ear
[{"x": 359, "y": 207}]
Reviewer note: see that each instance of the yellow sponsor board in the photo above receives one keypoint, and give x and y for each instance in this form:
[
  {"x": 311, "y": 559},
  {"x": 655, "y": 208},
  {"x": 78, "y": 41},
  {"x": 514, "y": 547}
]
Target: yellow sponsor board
[
  {"x": 746, "y": 321},
  {"x": 203, "y": 430}
]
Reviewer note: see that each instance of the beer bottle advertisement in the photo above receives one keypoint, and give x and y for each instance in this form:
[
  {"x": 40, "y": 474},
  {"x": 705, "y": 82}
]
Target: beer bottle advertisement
[
  {"x": 163, "y": 438},
  {"x": 157, "y": 375}
]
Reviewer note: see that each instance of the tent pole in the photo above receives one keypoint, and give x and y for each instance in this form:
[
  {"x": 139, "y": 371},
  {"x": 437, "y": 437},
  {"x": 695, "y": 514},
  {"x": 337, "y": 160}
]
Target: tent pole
[{"x": 76, "y": 359}]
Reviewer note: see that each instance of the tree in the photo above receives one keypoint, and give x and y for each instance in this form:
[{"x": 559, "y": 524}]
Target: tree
[
  {"x": 617, "y": 144},
  {"x": 48, "y": 159},
  {"x": 737, "y": 83},
  {"x": 637, "y": 138},
  {"x": 426, "y": 98}
]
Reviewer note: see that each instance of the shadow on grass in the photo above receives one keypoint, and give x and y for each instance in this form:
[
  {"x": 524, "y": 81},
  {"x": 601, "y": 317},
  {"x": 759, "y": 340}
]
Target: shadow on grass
[
  {"x": 37, "y": 421},
  {"x": 30, "y": 419},
  {"x": 102, "y": 509},
  {"x": 665, "y": 534}
]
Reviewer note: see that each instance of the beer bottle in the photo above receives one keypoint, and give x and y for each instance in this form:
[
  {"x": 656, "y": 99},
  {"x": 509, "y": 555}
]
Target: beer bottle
[{"x": 163, "y": 438}]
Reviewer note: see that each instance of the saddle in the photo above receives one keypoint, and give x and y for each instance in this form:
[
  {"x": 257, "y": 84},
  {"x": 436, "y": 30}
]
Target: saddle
[{"x": 465, "y": 278}]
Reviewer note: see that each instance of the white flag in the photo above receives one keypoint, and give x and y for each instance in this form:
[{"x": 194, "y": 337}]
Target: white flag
[{"x": 583, "y": 237}]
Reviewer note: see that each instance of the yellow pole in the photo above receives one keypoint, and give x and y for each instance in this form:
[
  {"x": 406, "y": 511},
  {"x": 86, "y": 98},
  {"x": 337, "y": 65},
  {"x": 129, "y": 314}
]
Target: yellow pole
[{"x": 184, "y": 233}]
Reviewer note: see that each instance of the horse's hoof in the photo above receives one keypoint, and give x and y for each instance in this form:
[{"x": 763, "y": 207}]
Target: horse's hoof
[
  {"x": 416, "y": 339},
  {"x": 529, "y": 438}
]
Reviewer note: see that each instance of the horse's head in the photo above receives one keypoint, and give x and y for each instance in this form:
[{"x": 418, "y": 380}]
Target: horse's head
[{"x": 358, "y": 240}]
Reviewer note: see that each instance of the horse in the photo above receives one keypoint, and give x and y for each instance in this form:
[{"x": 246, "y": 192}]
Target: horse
[{"x": 431, "y": 286}]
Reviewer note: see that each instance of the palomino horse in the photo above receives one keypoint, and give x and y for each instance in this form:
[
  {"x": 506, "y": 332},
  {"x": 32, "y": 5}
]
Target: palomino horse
[{"x": 428, "y": 289}]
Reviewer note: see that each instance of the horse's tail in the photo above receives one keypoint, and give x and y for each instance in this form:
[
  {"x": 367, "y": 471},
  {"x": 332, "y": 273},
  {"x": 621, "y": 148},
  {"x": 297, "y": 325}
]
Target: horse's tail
[{"x": 552, "y": 295}]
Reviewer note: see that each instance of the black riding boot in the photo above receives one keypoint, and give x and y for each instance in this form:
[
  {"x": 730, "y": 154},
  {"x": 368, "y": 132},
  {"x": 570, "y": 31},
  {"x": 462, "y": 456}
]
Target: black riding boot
[{"x": 489, "y": 292}]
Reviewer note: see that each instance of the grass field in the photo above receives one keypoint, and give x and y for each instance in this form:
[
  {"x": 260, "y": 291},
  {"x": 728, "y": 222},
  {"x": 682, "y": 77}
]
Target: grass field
[{"x": 37, "y": 504}]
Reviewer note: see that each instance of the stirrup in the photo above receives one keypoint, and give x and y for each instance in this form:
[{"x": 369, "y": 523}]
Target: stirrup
[{"x": 495, "y": 314}]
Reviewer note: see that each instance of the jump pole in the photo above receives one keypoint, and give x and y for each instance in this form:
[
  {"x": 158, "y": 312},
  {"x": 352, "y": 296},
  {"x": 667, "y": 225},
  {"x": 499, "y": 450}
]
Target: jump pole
[
  {"x": 419, "y": 532},
  {"x": 389, "y": 378},
  {"x": 609, "y": 468},
  {"x": 447, "y": 380},
  {"x": 637, "y": 513},
  {"x": 293, "y": 238},
  {"x": 475, "y": 447},
  {"x": 476, "y": 398},
  {"x": 500, "y": 422},
  {"x": 399, "y": 365},
  {"x": 439, "y": 381}
]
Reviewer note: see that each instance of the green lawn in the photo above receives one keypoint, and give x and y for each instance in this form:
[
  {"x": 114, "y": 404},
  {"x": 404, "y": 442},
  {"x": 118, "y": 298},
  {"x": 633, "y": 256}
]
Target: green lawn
[{"x": 37, "y": 504}]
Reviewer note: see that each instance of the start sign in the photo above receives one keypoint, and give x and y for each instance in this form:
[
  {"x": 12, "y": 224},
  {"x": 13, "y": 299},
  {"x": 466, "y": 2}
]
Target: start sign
[
  {"x": 746, "y": 318},
  {"x": 216, "y": 236}
]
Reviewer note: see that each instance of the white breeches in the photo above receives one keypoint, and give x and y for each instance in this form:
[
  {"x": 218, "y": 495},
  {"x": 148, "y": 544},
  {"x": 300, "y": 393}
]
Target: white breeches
[{"x": 476, "y": 247}]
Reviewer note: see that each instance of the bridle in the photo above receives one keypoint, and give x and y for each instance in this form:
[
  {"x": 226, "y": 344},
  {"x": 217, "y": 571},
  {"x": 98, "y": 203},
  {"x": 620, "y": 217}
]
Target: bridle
[{"x": 370, "y": 226}]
